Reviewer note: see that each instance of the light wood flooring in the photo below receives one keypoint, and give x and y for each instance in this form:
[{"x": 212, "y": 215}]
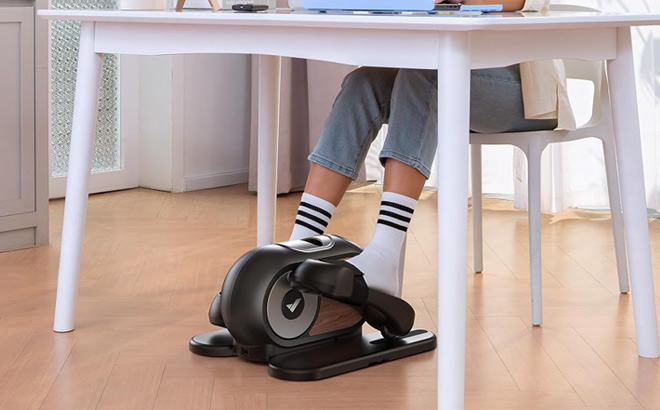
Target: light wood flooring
[{"x": 152, "y": 262}]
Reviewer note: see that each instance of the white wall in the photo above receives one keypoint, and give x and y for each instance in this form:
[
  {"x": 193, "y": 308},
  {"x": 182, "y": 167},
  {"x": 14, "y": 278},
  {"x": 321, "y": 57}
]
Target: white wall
[
  {"x": 194, "y": 121},
  {"x": 216, "y": 119},
  {"x": 155, "y": 105}
]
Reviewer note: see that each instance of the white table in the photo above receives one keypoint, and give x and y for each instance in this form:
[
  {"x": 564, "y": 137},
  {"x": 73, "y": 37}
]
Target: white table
[{"x": 453, "y": 46}]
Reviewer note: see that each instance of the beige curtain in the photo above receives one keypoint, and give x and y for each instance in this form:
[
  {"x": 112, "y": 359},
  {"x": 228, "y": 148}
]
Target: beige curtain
[{"x": 308, "y": 89}]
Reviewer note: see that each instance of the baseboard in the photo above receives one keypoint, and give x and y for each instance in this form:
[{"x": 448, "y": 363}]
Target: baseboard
[{"x": 215, "y": 180}]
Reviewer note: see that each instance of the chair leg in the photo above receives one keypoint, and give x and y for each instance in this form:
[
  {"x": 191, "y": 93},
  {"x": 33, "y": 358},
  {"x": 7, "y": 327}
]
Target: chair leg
[
  {"x": 477, "y": 217},
  {"x": 534, "y": 214},
  {"x": 609, "y": 152}
]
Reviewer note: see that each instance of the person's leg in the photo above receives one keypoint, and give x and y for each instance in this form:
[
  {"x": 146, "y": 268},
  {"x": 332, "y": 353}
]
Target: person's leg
[
  {"x": 407, "y": 155},
  {"x": 360, "y": 110},
  {"x": 326, "y": 183},
  {"x": 323, "y": 192}
]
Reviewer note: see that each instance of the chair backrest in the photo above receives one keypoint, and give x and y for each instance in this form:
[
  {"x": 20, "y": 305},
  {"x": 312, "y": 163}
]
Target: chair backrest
[{"x": 593, "y": 71}]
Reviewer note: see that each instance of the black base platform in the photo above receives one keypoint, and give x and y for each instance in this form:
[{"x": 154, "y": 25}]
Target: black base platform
[
  {"x": 326, "y": 359},
  {"x": 217, "y": 343}
]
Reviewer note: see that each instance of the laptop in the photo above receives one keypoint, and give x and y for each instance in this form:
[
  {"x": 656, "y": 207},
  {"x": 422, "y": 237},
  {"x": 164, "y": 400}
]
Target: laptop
[{"x": 395, "y": 6}]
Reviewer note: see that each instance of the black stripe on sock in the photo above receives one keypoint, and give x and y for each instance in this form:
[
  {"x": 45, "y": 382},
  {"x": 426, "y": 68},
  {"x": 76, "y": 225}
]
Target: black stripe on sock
[
  {"x": 313, "y": 218},
  {"x": 393, "y": 225},
  {"x": 309, "y": 226},
  {"x": 316, "y": 208},
  {"x": 397, "y": 206},
  {"x": 395, "y": 215}
]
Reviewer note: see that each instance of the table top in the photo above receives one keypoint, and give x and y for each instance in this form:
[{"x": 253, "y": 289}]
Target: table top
[{"x": 417, "y": 21}]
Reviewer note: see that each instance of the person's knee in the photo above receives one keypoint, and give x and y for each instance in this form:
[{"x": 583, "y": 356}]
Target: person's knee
[
  {"x": 369, "y": 78},
  {"x": 417, "y": 79}
]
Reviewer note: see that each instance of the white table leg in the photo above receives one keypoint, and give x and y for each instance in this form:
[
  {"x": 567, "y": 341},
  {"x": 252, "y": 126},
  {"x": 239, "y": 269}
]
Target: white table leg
[
  {"x": 453, "y": 147},
  {"x": 80, "y": 158},
  {"x": 268, "y": 134},
  {"x": 621, "y": 76}
]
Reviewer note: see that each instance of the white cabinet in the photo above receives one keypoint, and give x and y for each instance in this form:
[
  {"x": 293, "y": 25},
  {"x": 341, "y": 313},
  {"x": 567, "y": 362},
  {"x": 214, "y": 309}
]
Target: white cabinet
[{"x": 23, "y": 179}]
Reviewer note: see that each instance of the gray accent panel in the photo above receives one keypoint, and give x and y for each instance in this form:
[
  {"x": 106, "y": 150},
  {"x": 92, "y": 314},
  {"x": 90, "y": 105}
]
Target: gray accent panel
[
  {"x": 20, "y": 221},
  {"x": 22, "y": 238},
  {"x": 23, "y": 126},
  {"x": 283, "y": 327},
  {"x": 17, "y": 110}
]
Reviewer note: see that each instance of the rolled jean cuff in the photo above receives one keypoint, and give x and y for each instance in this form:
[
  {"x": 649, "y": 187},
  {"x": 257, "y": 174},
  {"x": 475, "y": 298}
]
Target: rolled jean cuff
[
  {"x": 341, "y": 169},
  {"x": 413, "y": 162}
]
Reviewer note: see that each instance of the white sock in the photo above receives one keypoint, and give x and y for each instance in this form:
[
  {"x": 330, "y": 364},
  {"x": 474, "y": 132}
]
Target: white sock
[
  {"x": 380, "y": 260},
  {"x": 314, "y": 213}
]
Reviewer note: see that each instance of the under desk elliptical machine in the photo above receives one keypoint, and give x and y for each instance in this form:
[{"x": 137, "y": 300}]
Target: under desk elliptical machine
[{"x": 297, "y": 307}]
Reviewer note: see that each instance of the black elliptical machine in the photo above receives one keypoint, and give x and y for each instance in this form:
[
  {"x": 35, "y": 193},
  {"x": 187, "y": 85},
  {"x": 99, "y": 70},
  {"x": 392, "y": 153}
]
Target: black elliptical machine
[{"x": 296, "y": 306}]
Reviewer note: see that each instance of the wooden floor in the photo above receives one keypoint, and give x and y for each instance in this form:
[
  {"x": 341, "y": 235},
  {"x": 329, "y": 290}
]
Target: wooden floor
[{"x": 153, "y": 261}]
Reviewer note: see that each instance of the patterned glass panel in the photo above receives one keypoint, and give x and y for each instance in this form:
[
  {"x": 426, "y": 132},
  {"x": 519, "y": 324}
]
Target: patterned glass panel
[{"x": 64, "y": 60}]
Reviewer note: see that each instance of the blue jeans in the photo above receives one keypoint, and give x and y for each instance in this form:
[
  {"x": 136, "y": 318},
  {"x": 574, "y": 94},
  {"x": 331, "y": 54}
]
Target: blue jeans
[{"x": 407, "y": 101}]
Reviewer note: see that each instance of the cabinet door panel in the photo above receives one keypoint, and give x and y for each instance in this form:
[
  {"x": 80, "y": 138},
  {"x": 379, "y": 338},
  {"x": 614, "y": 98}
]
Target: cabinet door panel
[{"x": 17, "y": 167}]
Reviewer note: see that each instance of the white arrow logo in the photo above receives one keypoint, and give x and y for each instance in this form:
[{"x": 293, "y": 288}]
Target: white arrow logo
[{"x": 292, "y": 306}]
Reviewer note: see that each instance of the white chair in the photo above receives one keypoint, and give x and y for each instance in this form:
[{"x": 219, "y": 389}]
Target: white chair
[{"x": 532, "y": 144}]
